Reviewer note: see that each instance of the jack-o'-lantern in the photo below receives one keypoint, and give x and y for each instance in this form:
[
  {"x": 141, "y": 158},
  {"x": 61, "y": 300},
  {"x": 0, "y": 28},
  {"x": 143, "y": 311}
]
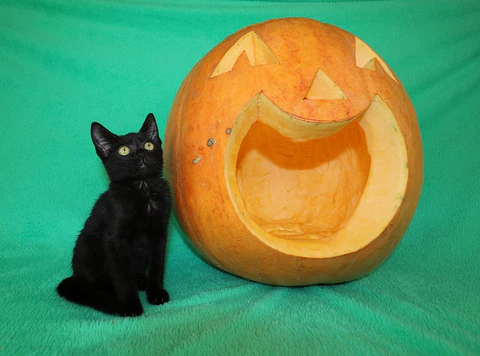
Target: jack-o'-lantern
[{"x": 294, "y": 155}]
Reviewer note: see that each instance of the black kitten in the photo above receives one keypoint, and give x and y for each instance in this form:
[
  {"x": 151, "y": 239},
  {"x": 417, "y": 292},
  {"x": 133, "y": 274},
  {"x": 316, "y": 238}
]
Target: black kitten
[{"x": 126, "y": 231}]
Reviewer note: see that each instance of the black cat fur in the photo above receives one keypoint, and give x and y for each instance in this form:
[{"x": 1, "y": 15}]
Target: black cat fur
[{"x": 126, "y": 232}]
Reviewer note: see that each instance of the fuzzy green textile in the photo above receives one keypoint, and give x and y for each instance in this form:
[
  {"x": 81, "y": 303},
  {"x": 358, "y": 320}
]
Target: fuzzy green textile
[{"x": 64, "y": 64}]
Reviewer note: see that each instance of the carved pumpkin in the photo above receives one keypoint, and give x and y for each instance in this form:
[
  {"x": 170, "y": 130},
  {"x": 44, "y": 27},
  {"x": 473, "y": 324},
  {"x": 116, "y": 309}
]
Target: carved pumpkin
[{"x": 294, "y": 155}]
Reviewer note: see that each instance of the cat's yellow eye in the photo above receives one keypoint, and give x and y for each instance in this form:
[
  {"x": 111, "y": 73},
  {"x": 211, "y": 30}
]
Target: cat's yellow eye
[
  {"x": 148, "y": 146},
  {"x": 123, "y": 150}
]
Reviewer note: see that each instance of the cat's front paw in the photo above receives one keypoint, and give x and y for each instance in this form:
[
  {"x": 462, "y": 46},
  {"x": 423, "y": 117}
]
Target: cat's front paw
[
  {"x": 157, "y": 297},
  {"x": 131, "y": 309}
]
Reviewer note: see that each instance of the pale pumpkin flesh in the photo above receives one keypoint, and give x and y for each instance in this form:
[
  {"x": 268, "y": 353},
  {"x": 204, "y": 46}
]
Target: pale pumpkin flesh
[{"x": 315, "y": 189}]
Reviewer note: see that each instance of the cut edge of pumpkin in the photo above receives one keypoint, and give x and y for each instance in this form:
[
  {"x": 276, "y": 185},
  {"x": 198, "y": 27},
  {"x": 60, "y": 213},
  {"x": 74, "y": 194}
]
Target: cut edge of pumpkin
[{"x": 380, "y": 199}]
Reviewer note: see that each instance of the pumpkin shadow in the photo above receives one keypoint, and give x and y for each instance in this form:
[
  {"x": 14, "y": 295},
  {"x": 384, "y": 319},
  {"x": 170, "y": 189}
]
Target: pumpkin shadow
[{"x": 175, "y": 225}]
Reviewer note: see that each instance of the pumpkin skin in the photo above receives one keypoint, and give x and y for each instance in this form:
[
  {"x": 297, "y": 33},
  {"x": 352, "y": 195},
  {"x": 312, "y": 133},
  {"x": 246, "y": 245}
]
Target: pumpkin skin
[{"x": 283, "y": 86}]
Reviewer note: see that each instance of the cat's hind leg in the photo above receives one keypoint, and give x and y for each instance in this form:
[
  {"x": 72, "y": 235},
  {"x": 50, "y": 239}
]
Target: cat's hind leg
[{"x": 79, "y": 291}]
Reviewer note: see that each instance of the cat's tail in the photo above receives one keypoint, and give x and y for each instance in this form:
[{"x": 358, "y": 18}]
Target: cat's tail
[{"x": 79, "y": 291}]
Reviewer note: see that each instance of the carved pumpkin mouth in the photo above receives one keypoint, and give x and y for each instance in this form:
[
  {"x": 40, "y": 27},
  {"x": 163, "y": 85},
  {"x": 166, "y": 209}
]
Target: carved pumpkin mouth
[{"x": 315, "y": 189}]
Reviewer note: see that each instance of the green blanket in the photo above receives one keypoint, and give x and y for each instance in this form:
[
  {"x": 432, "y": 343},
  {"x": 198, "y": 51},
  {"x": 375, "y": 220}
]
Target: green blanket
[{"x": 64, "y": 64}]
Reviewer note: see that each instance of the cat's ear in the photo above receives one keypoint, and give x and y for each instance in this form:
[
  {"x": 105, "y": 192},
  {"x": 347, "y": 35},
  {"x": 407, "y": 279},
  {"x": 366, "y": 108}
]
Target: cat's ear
[
  {"x": 150, "y": 126},
  {"x": 102, "y": 139}
]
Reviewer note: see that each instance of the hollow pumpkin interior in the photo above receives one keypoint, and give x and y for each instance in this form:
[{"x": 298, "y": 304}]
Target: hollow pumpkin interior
[
  {"x": 302, "y": 189},
  {"x": 315, "y": 189}
]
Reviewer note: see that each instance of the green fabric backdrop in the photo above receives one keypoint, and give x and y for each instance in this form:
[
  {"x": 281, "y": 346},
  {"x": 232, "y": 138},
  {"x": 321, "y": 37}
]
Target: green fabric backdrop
[{"x": 64, "y": 64}]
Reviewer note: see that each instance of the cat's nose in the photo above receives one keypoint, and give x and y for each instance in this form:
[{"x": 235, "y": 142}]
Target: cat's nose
[{"x": 142, "y": 162}]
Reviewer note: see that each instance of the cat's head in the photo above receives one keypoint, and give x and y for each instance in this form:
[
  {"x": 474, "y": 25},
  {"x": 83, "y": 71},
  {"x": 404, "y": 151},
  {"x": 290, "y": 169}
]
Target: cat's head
[{"x": 130, "y": 157}]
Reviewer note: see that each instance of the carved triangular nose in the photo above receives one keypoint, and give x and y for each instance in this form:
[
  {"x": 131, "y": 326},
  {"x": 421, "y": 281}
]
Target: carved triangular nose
[{"x": 323, "y": 87}]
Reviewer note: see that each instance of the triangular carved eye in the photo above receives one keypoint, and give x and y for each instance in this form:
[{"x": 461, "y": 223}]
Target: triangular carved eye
[
  {"x": 370, "y": 65},
  {"x": 365, "y": 58},
  {"x": 323, "y": 87},
  {"x": 257, "y": 52}
]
